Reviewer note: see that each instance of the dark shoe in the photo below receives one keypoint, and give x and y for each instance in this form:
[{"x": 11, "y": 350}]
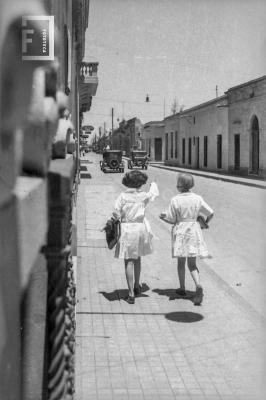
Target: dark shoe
[
  {"x": 137, "y": 290},
  {"x": 130, "y": 300},
  {"x": 181, "y": 292},
  {"x": 198, "y": 296}
]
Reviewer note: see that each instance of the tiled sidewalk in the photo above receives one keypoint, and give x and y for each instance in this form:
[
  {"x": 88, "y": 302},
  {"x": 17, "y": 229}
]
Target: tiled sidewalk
[{"x": 162, "y": 347}]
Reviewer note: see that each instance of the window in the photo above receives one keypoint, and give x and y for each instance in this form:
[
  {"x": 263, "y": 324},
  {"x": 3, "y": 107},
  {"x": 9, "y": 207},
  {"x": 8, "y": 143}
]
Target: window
[
  {"x": 175, "y": 144},
  {"x": 172, "y": 144},
  {"x": 166, "y": 146},
  {"x": 219, "y": 151},
  {"x": 189, "y": 150},
  {"x": 237, "y": 151},
  {"x": 205, "y": 149},
  {"x": 183, "y": 150},
  {"x": 194, "y": 120}
]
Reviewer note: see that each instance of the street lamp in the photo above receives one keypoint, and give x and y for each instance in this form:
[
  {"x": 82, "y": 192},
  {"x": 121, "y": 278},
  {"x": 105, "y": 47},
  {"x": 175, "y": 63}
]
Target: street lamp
[{"x": 147, "y": 100}]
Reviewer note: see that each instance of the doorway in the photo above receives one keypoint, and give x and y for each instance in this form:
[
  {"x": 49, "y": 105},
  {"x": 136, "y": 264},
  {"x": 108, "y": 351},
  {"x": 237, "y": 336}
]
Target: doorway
[
  {"x": 237, "y": 151},
  {"x": 197, "y": 152},
  {"x": 255, "y": 147},
  {"x": 158, "y": 149},
  {"x": 166, "y": 146}
]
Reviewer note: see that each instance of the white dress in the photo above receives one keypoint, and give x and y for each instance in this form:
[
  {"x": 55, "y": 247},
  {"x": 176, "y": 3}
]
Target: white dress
[
  {"x": 187, "y": 238},
  {"x": 136, "y": 235}
]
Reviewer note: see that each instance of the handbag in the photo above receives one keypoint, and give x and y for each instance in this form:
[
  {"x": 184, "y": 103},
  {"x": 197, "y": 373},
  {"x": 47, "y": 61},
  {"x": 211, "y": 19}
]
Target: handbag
[
  {"x": 112, "y": 232},
  {"x": 202, "y": 221}
]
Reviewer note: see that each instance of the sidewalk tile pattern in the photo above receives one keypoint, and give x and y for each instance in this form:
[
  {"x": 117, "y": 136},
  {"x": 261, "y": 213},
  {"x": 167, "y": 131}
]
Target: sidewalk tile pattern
[{"x": 163, "y": 347}]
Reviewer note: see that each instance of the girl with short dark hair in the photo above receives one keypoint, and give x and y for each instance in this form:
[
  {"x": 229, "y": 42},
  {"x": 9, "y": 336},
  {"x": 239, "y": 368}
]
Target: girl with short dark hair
[{"x": 136, "y": 235}]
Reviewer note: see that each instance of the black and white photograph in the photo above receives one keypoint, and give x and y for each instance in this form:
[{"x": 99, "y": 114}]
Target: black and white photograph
[{"x": 132, "y": 199}]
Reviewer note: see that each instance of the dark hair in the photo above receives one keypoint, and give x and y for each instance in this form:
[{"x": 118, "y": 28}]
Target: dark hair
[
  {"x": 134, "y": 179},
  {"x": 185, "y": 182}
]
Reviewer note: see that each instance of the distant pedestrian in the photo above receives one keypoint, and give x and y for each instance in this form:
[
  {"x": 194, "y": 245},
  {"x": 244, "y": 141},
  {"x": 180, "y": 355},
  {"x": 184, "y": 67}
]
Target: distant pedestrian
[
  {"x": 136, "y": 235},
  {"x": 187, "y": 238}
]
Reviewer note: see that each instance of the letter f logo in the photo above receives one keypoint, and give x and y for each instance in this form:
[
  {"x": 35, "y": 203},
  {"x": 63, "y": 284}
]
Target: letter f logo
[
  {"x": 26, "y": 40},
  {"x": 25, "y": 33}
]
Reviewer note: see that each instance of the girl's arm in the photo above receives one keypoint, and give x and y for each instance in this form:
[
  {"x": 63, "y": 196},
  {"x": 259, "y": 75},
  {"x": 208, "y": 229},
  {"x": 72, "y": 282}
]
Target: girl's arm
[
  {"x": 209, "y": 218},
  {"x": 118, "y": 207},
  {"x": 169, "y": 215},
  {"x": 206, "y": 210},
  {"x": 163, "y": 217},
  {"x": 153, "y": 192}
]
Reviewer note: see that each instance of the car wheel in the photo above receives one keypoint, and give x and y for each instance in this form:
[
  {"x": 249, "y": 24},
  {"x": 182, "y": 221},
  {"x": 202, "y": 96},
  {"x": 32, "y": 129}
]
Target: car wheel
[{"x": 114, "y": 164}]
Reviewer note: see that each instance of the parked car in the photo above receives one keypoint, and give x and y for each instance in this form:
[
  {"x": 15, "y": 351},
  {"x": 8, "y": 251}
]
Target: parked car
[
  {"x": 112, "y": 161},
  {"x": 138, "y": 158}
]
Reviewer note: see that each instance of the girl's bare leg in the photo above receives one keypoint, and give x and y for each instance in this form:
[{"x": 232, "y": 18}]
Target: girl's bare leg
[
  {"x": 181, "y": 263},
  {"x": 137, "y": 270},
  {"x": 129, "y": 269},
  {"x": 195, "y": 275},
  {"x": 191, "y": 261}
]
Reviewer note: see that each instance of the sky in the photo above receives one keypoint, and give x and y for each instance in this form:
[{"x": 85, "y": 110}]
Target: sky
[{"x": 170, "y": 49}]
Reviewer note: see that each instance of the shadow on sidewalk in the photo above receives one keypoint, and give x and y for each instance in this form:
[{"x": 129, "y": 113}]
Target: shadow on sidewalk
[
  {"x": 120, "y": 294},
  {"x": 184, "y": 316},
  {"x": 172, "y": 295}
]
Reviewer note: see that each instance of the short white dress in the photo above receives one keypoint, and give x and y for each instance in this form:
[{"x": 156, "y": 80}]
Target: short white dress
[
  {"x": 136, "y": 234},
  {"x": 187, "y": 238}
]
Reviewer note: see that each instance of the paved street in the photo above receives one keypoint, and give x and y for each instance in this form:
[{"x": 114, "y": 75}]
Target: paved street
[{"x": 164, "y": 347}]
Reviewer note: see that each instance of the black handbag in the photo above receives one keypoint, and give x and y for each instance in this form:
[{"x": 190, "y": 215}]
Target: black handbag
[
  {"x": 112, "y": 232},
  {"x": 203, "y": 224}
]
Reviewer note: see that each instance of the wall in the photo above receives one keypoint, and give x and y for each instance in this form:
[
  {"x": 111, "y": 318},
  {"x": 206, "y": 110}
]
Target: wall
[
  {"x": 127, "y": 135},
  {"x": 245, "y": 102},
  {"x": 172, "y": 125},
  {"x": 37, "y": 289},
  {"x": 150, "y": 132},
  {"x": 209, "y": 119}
]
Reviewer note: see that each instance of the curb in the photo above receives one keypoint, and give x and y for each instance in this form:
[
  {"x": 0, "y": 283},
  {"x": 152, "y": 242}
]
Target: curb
[{"x": 218, "y": 178}]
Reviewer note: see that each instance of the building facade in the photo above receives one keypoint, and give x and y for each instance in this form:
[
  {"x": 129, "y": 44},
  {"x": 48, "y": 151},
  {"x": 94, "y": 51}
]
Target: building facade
[
  {"x": 172, "y": 138},
  {"x": 40, "y": 113},
  {"x": 203, "y": 136},
  {"x": 247, "y": 124},
  {"x": 226, "y": 134},
  {"x": 127, "y": 136},
  {"x": 152, "y": 140}
]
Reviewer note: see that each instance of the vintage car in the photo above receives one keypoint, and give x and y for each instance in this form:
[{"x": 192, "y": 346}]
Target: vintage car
[
  {"x": 138, "y": 158},
  {"x": 112, "y": 161}
]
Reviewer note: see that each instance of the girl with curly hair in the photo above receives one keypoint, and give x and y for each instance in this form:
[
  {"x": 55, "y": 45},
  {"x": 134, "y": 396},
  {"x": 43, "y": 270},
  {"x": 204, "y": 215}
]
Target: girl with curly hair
[{"x": 136, "y": 235}]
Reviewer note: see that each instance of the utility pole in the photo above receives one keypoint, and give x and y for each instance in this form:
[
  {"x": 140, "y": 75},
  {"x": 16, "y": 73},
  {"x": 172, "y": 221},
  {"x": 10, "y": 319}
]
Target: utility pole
[
  {"x": 123, "y": 110},
  {"x": 112, "y": 120},
  {"x": 216, "y": 90}
]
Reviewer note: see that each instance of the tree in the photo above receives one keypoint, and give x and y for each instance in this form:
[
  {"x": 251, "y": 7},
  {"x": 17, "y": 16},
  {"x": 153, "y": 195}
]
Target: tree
[{"x": 176, "y": 108}]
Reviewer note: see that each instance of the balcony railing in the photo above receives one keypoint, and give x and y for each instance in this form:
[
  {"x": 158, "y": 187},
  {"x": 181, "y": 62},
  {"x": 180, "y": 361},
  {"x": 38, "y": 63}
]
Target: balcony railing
[{"x": 89, "y": 78}]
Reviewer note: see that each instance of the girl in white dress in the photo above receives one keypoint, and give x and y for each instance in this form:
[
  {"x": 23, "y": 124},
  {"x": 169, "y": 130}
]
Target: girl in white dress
[
  {"x": 187, "y": 239},
  {"x": 136, "y": 235}
]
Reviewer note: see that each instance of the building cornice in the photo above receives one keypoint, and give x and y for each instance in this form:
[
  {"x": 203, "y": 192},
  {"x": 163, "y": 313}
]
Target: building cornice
[
  {"x": 246, "y": 83},
  {"x": 202, "y": 105}
]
